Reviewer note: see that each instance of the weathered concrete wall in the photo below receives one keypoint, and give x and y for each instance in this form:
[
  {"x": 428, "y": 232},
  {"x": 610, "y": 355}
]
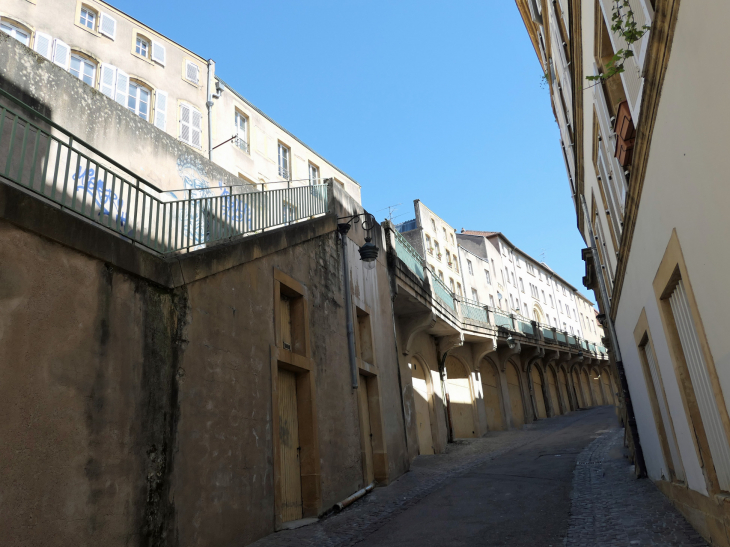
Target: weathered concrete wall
[
  {"x": 138, "y": 409},
  {"x": 106, "y": 125}
]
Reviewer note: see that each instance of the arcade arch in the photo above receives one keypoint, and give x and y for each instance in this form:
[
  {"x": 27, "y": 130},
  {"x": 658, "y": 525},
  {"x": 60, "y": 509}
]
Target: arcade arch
[
  {"x": 539, "y": 394},
  {"x": 461, "y": 406},
  {"x": 578, "y": 388},
  {"x": 555, "y": 403},
  {"x": 422, "y": 390},
  {"x": 491, "y": 387},
  {"x": 514, "y": 388},
  {"x": 563, "y": 388},
  {"x": 586, "y": 385},
  {"x": 608, "y": 387}
]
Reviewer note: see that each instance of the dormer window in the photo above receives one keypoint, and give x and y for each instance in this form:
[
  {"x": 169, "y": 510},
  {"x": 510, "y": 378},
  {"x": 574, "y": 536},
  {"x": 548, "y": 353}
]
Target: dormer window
[
  {"x": 87, "y": 18},
  {"x": 142, "y": 47}
]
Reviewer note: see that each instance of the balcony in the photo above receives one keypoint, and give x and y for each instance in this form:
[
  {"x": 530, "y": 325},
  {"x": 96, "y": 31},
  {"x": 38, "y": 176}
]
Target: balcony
[{"x": 242, "y": 144}]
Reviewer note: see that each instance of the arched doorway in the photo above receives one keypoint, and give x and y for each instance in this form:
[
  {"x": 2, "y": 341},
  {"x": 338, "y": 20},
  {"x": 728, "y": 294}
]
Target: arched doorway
[
  {"x": 517, "y": 410},
  {"x": 540, "y": 410},
  {"x": 460, "y": 399},
  {"x": 563, "y": 388},
  {"x": 492, "y": 396},
  {"x": 578, "y": 388},
  {"x": 596, "y": 387},
  {"x": 421, "y": 398},
  {"x": 586, "y": 385},
  {"x": 553, "y": 390}
]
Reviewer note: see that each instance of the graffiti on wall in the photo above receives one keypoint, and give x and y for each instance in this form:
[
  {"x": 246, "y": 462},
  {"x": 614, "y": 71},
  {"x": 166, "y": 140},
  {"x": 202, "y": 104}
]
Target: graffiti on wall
[{"x": 108, "y": 203}]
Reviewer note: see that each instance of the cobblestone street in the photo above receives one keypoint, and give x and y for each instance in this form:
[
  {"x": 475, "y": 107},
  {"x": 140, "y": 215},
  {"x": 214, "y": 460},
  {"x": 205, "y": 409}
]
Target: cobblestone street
[{"x": 561, "y": 481}]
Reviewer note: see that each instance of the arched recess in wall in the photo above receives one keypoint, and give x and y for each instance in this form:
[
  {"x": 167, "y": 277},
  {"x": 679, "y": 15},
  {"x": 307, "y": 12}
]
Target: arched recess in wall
[
  {"x": 538, "y": 314},
  {"x": 586, "y": 384},
  {"x": 514, "y": 389},
  {"x": 578, "y": 387},
  {"x": 538, "y": 383},
  {"x": 461, "y": 402},
  {"x": 565, "y": 400},
  {"x": 608, "y": 386},
  {"x": 596, "y": 387},
  {"x": 422, "y": 396},
  {"x": 492, "y": 389},
  {"x": 552, "y": 380}
]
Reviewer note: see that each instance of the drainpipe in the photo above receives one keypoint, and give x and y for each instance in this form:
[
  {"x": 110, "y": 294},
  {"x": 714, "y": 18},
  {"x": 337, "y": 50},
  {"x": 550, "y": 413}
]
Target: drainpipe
[
  {"x": 209, "y": 104},
  {"x": 630, "y": 416},
  {"x": 343, "y": 229}
]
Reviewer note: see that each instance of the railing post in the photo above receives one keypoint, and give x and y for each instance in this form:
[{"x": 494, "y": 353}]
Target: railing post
[
  {"x": 512, "y": 319},
  {"x": 537, "y": 330}
]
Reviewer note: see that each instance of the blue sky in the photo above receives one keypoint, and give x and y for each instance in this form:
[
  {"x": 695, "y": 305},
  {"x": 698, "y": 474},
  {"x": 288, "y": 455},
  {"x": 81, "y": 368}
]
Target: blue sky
[{"x": 439, "y": 101}]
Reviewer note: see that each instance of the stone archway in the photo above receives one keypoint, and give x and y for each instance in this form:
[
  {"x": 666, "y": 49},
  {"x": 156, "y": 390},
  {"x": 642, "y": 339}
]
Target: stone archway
[
  {"x": 608, "y": 387},
  {"x": 422, "y": 391},
  {"x": 514, "y": 387},
  {"x": 492, "y": 390},
  {"x": 538, "y": 391},
  {"x": 578, "y": 388},
  {"x": 461, "y": 402},
  {"x": 586, "y": 385},
  {"x": 552, "y": 382},
  {"x": 596, "y": 388}
]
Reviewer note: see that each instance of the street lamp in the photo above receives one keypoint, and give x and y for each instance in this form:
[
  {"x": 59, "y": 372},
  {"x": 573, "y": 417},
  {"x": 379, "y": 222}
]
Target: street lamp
[
  {"x": 511, "y": 342},
  {"x": 369, "y": 251}
]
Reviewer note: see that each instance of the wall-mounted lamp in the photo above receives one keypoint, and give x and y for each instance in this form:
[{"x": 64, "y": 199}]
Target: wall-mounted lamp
[
  {"x": 511, "y": 342},
  {"x": 369, "y": 251}
]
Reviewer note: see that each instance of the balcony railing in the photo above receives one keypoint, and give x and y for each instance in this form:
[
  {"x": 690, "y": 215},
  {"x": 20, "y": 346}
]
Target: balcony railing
[
  {"x": 443, "y": 293},
  {"x": 409, "y": 255},
  {"x": 65, "y": 170},
  {"x": 242, "y": 144},
  {"x": 502, "y": 320},
  {"x": 474, "y": 311}
]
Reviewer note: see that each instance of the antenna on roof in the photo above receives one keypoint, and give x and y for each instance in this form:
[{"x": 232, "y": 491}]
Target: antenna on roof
[{"x": 391, "y": 210}]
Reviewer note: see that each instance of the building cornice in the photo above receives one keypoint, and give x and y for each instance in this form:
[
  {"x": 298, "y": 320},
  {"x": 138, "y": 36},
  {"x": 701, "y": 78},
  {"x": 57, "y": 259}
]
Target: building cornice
[
  {"x": 576, "y": 46},
  {"x": 660, "y": 46}
]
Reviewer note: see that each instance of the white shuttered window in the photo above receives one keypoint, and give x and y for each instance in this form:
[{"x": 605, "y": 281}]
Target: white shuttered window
[
  {"x": 160, "y": 109},
  {"x": 108, "y": 80},
  {"x": 192, "y": 72},
  {"x": 122, "y": 89},
  {"x": 158, "y": 53},
  {"x": 190, "y": 125},
  {"x": 701, "y": 384},
  {"x": 61, "y": 53},
  {"x": 108, "y": 26},
  {"x": 44, "y": 45}
]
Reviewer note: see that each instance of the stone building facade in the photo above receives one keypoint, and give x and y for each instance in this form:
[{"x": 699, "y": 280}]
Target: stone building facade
[{"x": 643, "y": 150}]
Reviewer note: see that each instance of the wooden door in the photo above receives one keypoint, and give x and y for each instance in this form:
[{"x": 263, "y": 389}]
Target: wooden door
[
  {"x": 515, "y": 397},
  {"x": 492, "y": 399},
  {"x": 537, "y": 390},
  {"x": 423, "y": 414},
  {"x": 460, "y": 400},
  {"x": 553, "y": 389},
  {"x": 291, "y": 480},
  {"x": 578, "y": 390},
  {"x": 366, "y": 436}
]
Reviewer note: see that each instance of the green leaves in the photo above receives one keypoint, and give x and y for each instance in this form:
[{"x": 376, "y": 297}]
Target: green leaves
[{"x": 623, "y": 24}]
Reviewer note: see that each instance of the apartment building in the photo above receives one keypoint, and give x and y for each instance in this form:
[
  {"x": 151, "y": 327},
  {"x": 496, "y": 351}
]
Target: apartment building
[
  {"x": 172, "y": 88},
  {"x": 485, "y": 268},
  {"x": 644, "y": 152}
]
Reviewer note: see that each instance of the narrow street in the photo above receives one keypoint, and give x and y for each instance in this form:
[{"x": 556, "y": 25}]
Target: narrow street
[{"x": 561, "y": 481}]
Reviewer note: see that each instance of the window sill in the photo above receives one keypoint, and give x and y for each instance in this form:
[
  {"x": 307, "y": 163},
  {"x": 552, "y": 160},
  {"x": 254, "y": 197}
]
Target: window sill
[
  {"x": 87, "y": 29},
  {"x": 141, "y": 58},
  {"x": 196, "y": 86}
]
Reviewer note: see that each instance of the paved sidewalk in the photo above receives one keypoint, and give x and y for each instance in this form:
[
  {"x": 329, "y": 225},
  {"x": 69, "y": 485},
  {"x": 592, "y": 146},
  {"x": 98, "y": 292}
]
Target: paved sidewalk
[{"x": 611, "y": 508}]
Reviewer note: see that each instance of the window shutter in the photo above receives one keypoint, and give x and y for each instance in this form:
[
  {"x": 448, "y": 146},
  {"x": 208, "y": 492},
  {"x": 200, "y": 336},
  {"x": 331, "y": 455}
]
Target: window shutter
[
  {"x": 61, "y": 53},
  {"x": 108, "y": 26},
  {"x": 197, "y": 129},
  {"x": 108, "y": 80},
  {"x": 160, "y": 109},
  {"x": 44, "y": 45},
  {"x": 185, "y": 123},
  {"x": 122, "y": 87},
  {"x": 191, "y": 72},
  {"x": 158, "y": 53}
]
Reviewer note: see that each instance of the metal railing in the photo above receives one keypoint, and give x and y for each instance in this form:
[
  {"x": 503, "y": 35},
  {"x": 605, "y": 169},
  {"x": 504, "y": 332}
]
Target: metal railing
[
  {"x": 62, "y": 168},
  {"x": 474, "y": 311},
  {"x": 502, "y": 320},
  {"x": 547, "y": 333},
  {"x": 409, "y": 255},
  {"x": 443, "y": 293},
  {"x": 560, "y": 336},
  {"x": 526, "y": 328},
  {"x": 242, "y": 144}
]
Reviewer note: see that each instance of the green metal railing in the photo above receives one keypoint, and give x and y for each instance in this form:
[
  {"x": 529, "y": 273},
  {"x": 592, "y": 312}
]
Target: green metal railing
[
  {"x": 474, "y": 311},
  {"x": 409, "y": 255},
  {"x": 560, "y": 336},
  {"x": 55, "y": 164},
  {"x": 443, "y": 293},
  {"x": 502, "y": 320},
  {"x": 547, "y": 333},
  {"x": 526, "y": 328}
]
